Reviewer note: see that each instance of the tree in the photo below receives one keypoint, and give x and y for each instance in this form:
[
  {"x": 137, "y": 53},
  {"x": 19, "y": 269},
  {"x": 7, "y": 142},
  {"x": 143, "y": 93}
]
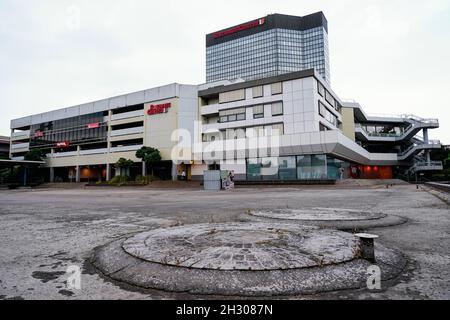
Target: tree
[
  {"x": 34, "y": 155},
  {"x": 123, "y": 164},
  {"x": 149, "y": 155},
  {"x": 443, "y": 155}
]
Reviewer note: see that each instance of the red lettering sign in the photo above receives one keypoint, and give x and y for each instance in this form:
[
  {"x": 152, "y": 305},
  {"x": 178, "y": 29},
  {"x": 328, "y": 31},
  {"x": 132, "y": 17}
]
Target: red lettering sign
[
  {"x": 241, "y": 27},
  {"x": 158, "y": 108},
  {"x": 93, "y": 125},
  {"x": 64, "y": 144}
]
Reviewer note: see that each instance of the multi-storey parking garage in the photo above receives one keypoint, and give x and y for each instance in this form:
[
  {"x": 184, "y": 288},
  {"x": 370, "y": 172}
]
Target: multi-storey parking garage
[{"x": 83, "y": 142}]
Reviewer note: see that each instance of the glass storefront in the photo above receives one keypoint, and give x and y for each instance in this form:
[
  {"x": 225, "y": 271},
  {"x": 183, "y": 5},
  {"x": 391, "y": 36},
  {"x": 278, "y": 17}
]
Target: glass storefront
[{"x": 304, "y": 167}]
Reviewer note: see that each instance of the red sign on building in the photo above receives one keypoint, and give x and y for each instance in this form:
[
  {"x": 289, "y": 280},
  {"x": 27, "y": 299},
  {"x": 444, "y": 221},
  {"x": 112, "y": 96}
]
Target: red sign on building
[
  {"x": 93, "y": 125},
  {"x": 159, "y": 108},
  {"x": 38, "y": 134},
  {"x": 64, "y": 144},
  {"x": 241, "y": 27}
]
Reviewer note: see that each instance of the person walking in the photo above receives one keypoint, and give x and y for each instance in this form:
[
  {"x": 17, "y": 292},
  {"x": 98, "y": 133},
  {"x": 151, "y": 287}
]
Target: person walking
[{"x": 341, "y": 173}]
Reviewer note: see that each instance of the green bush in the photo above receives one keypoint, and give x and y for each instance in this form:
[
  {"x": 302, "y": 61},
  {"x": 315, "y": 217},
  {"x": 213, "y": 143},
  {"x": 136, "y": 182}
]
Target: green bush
[
  {"x": 119, "y": 180},
  {"x": 145, "y": 180}
]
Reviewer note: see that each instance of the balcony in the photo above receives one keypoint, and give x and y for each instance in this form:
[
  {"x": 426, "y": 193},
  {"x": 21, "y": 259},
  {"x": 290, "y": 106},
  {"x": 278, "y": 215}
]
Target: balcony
[
  {"x": 62, "y": 154},
  {"x": 126, "y": 115},
  {"x": 209, "y": 109},
  {"x": 428, "y": 166},
  {"x": 417, "y": 147},
  {"x": 20, "y": 146},
  {"x": 124, "y": 132},
  {"x": 93, "y": 151},
  {"x": 19, "y": 135}
]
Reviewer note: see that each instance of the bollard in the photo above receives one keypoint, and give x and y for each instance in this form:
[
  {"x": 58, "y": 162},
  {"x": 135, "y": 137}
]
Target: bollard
[{"x": 367, "y": 246}]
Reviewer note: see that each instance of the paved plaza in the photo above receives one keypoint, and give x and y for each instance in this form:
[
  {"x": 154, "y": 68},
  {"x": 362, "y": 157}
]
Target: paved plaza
[{"x": 44, "y": 231}]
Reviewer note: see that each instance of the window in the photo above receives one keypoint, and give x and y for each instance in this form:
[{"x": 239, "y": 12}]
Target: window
[
  {"x": 277, "y": 109},
  {"x": 232, "y": 115},
  {"x": 230, "y": 134},
  {"x": 258, "y": 112},
  {"x": 287, "y": 168},
  {"x": 239, "y": 133},
  {"x": 330, "y": 99},
  {"x": 327, "y": 115},
  {"x": 231, "y": 96},
  {"x": 277, "y": 129},
  {"x": 276, "y": 88},
  {"x": 257, "y": 92},
  {"x": 258, "y": 131},
  {"x": 320, "y": 89}
]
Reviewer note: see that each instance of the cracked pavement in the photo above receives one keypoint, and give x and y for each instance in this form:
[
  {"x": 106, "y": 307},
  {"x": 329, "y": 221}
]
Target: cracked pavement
[{"x": 44, "y": 231}]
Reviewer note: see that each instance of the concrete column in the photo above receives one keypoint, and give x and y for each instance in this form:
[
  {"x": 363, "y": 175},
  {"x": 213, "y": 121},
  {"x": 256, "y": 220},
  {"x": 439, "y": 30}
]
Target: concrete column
[
  {"x": 77, "y": 174},
  {"x": 174, "y": 171},
  {"x": 425, "y": 136},
  {"x": 52, "y": 173},
  {"x": 10, "y": 144},
  {"x": 108, "y": 172},
  {"x": 24, "y": 176},
  {"x": 144, "y": 169},
  {"x": 428, "y": 157}
]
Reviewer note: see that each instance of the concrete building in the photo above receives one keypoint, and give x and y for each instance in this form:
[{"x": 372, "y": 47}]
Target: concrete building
[
  {"x": 269, "y": 46},
  {"x": 286, "y": 127},
  {"x": 317, "y": 132},
  {"x": 4, "y": 147},
  {"x": 83, "y": 142},
  {"x": 267, "y": 113}
]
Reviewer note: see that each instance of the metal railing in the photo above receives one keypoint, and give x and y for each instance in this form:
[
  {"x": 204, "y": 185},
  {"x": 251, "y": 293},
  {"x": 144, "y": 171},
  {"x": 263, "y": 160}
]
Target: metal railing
[
  {"x": 430, "y": 143},
  {"x": 381, "y": 134}
]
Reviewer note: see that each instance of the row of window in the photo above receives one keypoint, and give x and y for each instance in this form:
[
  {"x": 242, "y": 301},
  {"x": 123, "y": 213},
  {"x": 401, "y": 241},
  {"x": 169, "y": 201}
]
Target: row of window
[
  {"x": 299, "y": 36},
  {"x": 304, "y": 167},
  {"x": 239, "y": 114},
  {"x": 327, "y": 115},
  {"x": 257, "y": 92},
  {"x": 328, "y": 97},
  {"x": 269, "y": 51},
  {"x": 256, "y": 131}
]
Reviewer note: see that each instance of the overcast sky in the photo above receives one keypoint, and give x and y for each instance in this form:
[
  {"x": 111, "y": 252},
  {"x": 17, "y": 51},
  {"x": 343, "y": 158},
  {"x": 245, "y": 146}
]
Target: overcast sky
[{"x": 391, "y": 56}]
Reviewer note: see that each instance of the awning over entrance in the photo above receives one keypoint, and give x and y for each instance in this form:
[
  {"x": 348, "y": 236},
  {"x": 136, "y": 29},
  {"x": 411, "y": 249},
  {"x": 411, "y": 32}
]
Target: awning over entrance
[{"x": 27, "y": 164}]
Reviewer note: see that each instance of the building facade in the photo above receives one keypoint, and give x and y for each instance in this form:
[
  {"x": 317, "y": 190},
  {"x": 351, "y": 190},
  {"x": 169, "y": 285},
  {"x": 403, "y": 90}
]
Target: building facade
[
  {"x": 82, "y": 143},
  {"x": 270, "y": 46},
  {"x": 318, "y": 136},
  {"x": 281, "y": 128},
  {"x": 4, "y": 147}
]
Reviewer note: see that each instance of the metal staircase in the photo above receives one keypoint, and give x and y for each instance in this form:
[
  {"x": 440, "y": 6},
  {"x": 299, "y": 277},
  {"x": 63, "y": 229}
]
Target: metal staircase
[
  {"x": 417, "y": 147},
  {"x": 415, "y": 125}
]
